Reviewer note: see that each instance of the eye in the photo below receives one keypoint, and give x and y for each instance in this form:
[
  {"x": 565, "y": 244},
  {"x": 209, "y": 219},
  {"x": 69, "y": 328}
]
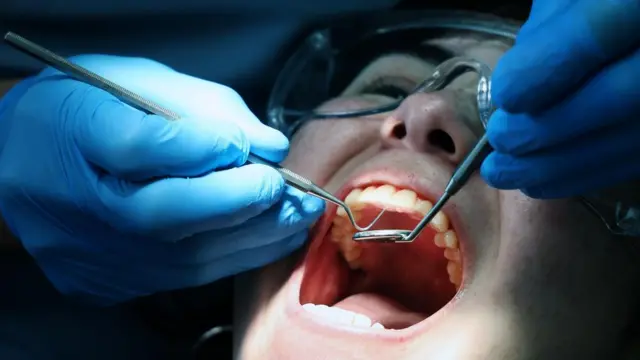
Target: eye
[
  {"x": 393, "y": 76},
  {"x": 387, "y": 87}
]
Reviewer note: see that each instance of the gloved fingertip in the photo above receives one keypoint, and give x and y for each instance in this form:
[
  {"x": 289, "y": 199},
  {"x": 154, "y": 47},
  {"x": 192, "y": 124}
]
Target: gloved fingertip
[
  {"x": 513, "y": 134},
  {"x": 506, "y": 92},
  {"x": 313, "y": 207},
  {"x": 269, "y": 143},
  {"x": 514, "y": 88},
  {"x": 495, "y": 174},
  {"x": 497, "y": 131},
  {"x": 278, "y": 145},
  {"x": 536, "y": 193},
  {"x": 487, "y": 172}
]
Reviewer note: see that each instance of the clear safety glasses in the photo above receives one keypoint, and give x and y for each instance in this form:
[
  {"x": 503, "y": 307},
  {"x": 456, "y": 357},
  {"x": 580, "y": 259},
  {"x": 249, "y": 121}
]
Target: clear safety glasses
[{"x": 331, "y": 58}]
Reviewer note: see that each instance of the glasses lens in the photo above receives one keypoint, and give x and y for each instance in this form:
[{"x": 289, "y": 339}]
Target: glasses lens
[
  {"x": 383, "y": 67},
  {"x": 618, "y": 207}
]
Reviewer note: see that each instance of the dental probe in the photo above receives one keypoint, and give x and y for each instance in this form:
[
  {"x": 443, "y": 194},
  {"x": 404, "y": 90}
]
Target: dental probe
[
  {"x": 461, "y": 175},
  {"x": 84, "y": 75}
]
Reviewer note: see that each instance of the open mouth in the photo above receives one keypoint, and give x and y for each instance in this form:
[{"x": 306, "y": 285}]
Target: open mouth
[{"x": 381, "y": 286}]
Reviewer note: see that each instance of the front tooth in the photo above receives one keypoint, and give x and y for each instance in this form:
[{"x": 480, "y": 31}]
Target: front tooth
[
  {"x": 450, "y": 239},
  {"x": 452, "y": 254},
  {"x": 445, "y": 239},
  {"x": 342, "y": 316},
  {"x": 337, "y": 234},
  {"x": 440, "y": 222},
  {"x": 456, "y": 279},
  {"x": 321, "y": 309},
  {"x": 353, "y": 198},
  {"x": 361, "y": 321},
  {"x": 342, "y": 214},
  {"x": 453, "y": 269},
  {"x": 350, "y": 252},
  {"x": 404, "y": 199},
  {"x": 423, "y": 206},
  {"x": 340, "y": 220},
  {"x": 367, "y": 192},
  {"x": 377, "y": 195},
  {"x": 438, "y": 239}
]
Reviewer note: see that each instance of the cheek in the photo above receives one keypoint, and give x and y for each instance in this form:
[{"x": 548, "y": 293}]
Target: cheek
[
  {"x": 556, "y": 247},
  {"x": 322, "y": 147},
  {"x": 538, "y": 233}
]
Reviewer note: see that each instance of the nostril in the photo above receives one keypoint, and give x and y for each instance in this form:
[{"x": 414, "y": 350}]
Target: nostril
[
  {"x": 399, "y": 131},
  {"x": 442, "y": 140}
]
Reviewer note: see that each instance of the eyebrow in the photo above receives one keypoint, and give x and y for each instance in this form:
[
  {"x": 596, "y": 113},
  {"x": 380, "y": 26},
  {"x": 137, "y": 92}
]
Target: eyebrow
[
  {"x": 460, "y": 44},
  {"x": 429, "y": 52}
]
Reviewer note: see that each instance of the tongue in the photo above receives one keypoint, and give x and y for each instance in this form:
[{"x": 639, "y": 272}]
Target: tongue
[{"x": 381, "y": 309}]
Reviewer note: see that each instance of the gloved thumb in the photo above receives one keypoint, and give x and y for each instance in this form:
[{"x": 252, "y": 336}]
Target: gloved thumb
[{"x": 265, "y": 141}]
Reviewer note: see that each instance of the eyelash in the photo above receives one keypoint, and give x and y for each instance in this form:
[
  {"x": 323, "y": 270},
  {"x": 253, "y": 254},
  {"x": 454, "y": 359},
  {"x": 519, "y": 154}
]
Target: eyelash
[{"x": 385, "y": 86}]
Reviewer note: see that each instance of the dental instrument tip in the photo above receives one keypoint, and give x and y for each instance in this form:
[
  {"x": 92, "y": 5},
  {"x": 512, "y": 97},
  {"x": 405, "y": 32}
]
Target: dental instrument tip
[{"x": 358, "y": 227}]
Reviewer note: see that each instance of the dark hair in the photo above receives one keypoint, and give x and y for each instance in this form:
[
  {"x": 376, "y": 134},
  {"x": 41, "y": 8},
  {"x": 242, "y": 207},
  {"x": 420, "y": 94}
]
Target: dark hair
[{"x": 511, "y": 9}]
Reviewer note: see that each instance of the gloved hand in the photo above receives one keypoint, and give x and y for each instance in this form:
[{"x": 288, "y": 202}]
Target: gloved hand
[
  {"x": 568, "y": 95},
  {"x": 114, "y": 204}
]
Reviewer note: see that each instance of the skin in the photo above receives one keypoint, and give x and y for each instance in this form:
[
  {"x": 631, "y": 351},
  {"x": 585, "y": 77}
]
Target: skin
[{"x": 542, "y": 279}]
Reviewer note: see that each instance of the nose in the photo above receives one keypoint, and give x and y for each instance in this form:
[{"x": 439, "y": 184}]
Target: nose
[{"x": 438, "y": 123}]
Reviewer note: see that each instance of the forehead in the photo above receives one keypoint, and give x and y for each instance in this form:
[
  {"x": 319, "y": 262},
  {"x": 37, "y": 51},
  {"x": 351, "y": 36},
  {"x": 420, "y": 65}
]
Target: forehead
[{"x": 483, "y": 47}]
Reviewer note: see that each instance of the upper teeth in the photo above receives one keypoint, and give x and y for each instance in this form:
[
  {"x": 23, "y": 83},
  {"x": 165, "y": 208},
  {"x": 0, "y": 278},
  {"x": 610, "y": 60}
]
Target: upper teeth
[{"x": 390, "y": 197}]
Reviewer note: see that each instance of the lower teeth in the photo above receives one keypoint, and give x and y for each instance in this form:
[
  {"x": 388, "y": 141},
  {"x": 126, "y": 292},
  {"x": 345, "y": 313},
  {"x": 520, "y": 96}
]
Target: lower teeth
[{"x": 340, "y": 316}]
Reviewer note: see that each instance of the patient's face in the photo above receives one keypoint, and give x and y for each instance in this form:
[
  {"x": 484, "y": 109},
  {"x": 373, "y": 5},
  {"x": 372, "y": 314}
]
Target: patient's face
[{"x": 495, "y": 276}]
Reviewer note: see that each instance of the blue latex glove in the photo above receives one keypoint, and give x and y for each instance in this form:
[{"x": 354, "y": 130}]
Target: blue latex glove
[
  {"x": 569, "y": 100},
  {"x": 75, "y": 183}
]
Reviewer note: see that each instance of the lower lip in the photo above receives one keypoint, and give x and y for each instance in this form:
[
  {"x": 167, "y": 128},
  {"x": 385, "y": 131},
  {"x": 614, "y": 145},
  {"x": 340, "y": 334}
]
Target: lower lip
[{"x": 303, "y": 320}]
